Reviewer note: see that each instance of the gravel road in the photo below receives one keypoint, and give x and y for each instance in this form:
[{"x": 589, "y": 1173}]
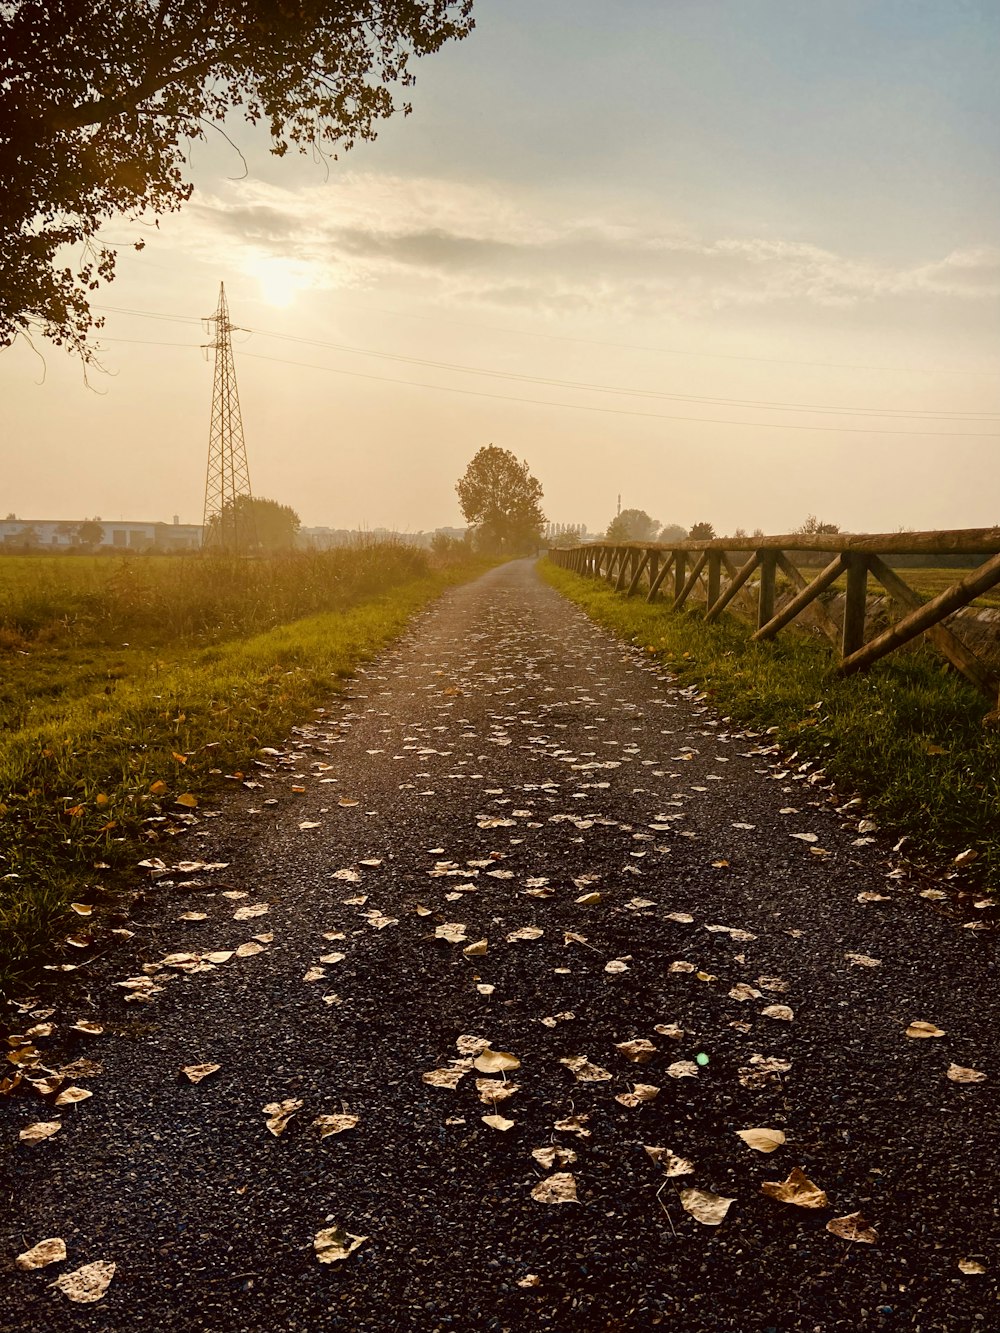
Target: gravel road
[{"x": 643, "y": 872}]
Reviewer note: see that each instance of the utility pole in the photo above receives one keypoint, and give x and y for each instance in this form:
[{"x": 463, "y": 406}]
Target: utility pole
[{"x": 228, "y": 522}]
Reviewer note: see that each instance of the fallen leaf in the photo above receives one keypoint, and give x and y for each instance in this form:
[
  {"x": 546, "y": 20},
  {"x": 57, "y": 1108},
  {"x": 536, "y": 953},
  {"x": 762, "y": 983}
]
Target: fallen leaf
[
  {"x": 250, "y": 949},
  {"x": 959, "y": 1074},
  {"x": 796, "y": 1189},
  {"x": 641, "y": 1092},
  {"x": 588, "y": 899},
  {"x": 685, "y": 918},
  {"x": 705, "y": 1207},
  {"x": 485, "y": 989},
  {"x": 279, "y": 1114},
  {"x": 251, "y": 910},
  {"x": 70, "y": 1096},
  {"x": 639, "y": 1050},
  {"x": 492, "y": 1062},
  {"x": 761, "y": 1070},
  {"x": 89, "y": 1028},
  {"x": 497, "y": 1122},
  {"x": 617, "y": 965},
  {"x": 469, "y": 1044},
  {"x": 744, "y": 992},
  {"x": 334, "y": 1124},
  {"x": 314, "y": 974},
  {"x": 452, "y": 931},
  {"x": 525, "y": 933},
  {"x": 529, "y": 1280},
  {"x": 560, "y": 1188},
  {"x": 683, "y": 1069},
  {"x": 762, "y": 1140},
  {"x": 571, "y": 937},
  {"x": 329, "y": 959},
  {"x": 575, "y": 1124},
  {"x": 779, "y": 1011},
  {"x": 195, "y": 1073},
  {"x": 585, "y": 1072},
  {"x": 477, "y": 949},
  {"x": 853, "y": 1227},
  {"x": 493, "y": 1090},
  {"x": 681, "y": 965},
  {"x": 869, "y": 896},
  {"x": 672, "y": 1164},
  {"x": 669, "y": 1030},
  {"x": 218, "y": 956},
  {"x": 335, "y": 1243},
  {"x": 39, "y": 1130},
  {"x": 187, "y": 799},
  {"x": 919, "y": 1028},
  {"x": 446, "y": 1078},
  {"x": 863, "y": 960},
  {"x": 51, "y": 1251},
  {"x": 87, "y": 1284},
  {"x": 971, "y": 1266},
  {"x": 553, "y": 1154}
]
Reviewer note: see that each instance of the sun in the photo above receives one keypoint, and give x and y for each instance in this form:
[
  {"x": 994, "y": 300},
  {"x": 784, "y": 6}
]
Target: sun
[{"x": 280, "y": 280}]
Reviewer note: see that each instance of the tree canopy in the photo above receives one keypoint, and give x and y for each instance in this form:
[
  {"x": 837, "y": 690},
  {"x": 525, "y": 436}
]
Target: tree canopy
[
  {"x": 501, "y": 502},
  {"x": 100, "y": 103},
  {"x": 701, "y": 532},
  {"x": 253, "y": 524},
  {"x": 633, "y": 525}
]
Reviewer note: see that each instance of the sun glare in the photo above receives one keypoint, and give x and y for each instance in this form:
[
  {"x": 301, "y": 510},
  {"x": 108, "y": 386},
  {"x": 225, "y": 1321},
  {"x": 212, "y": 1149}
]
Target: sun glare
[{"x": 280, "y": 280}]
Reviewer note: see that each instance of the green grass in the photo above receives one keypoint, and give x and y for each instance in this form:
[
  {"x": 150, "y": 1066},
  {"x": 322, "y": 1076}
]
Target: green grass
[
  {"x": 907, "y": 736},
  {"x": 101, "y": 732},
  {"x": 926, "y": 582}
]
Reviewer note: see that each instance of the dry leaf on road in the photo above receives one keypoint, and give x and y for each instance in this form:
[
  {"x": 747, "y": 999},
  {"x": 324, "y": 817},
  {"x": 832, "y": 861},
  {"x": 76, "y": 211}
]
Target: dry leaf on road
[
  {"x": 492, "y": 1090},
  {"x": 585, "y": 1072},
  {"x": 493, "y": 1062},
  {"x": 971, "y": 1266},
  {"x": 195, "y": 1073},
  {"x": 70, "y": 1096},
  {"x": 919, "y": 1028},
  {"x": 705, "y": 1207},
  {"x": 553, "y": 1155},
  {"x": 959, "y": 1074},
  {"x": 796, "y": 1189},
  {"x": 87, "y": 1284},
  {"x": 683, "y": 1069},
  {"x": 560, "y": 1188},
  {"x": 853, "y": 1227},
  {"x": 762, "y": 1140},
  {"x": 39, "y": 1130},
  {"x": 641, "y": 1092},
  {"x": 334, "y": 1124},
  {"x": 779, "y": 1011},
  {"x": 51, "y": 1251},
  {"x": 639, "y": 1050},
  {"x": 672, "y": 1164},
  {"x": 333, "y": 1243},
  {"x": 498, "y": 1122},
  {"x": 279, "y": 1114}
]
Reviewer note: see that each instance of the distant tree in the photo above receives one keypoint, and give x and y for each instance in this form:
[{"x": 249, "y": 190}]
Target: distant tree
[
  {"x": 633, "y": 525},
  {"x": 253, "y": 525},
  {"x": 673, "y": 532},
  {"x": 701, "y": 532},
  {"x": 89, "y": 533},
  {"x": 814, "y": 527},
  {"x": 565, "y": 538},
  {"x": 740, "y": 532},
  {"x": 501, "y": 502},
  {"x": 100, "y": 104}
]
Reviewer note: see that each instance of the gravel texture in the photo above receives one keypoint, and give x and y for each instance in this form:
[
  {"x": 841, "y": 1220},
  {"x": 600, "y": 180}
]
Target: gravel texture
[{"x": 529, "y": 761}]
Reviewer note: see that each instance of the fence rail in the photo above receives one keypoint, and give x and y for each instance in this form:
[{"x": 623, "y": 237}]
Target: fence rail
[{"x": 708, "y": 572}]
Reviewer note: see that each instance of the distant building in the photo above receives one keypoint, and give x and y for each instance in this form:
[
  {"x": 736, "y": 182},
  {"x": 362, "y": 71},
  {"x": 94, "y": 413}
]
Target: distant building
[{"x": 45, "y": 534}]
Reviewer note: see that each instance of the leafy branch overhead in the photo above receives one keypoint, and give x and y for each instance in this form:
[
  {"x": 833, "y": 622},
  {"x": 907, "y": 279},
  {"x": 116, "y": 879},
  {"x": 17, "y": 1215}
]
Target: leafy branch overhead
[
  {"x": 99, "y": 105},
  {"x": 501, "y": 501}
]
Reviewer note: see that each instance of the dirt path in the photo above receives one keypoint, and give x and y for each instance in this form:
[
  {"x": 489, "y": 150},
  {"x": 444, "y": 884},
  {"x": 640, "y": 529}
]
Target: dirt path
[{"x": 503, "y": 765}]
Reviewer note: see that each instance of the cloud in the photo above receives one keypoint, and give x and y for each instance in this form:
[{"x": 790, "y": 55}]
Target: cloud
[{"x": 480, "y": 243}]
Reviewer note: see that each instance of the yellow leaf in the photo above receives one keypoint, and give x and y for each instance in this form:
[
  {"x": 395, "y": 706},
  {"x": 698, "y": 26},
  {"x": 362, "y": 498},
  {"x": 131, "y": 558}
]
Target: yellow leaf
[
  {"x": 853, "y": 1227},
  {"x": 179, "y": 758},
  {"x": 492, "y": 1062},
  {"x": 918, "y": 1029},
  {"x": 335, "y": 1243},
  {"x": 51, "y": 1251},
  {"x": 762, "y": 1140},
  {"x": 187, "y": 799},
  {"x": 157, "y": 788},
  {"x": 498, "y": 1122},
  {"x": 796, "y": 1189},
  {"x": 195, "y": 1073},
  {"x": 705, "y": 1207},
  {"x": 560, "y": 1188},
  {"x": 959, "y": 1074},
  {"x": 87, "y": 1284}
]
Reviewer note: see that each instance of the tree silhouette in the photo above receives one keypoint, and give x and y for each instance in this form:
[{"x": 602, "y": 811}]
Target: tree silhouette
[
  {"x": 500, "y": 501},
  {"x": 633, "y": 525},
  {"x": 99, "y": 104}
]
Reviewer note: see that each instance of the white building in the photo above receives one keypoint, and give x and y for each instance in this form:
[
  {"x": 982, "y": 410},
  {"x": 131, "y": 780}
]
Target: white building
[{"x": 44, "y": 534}]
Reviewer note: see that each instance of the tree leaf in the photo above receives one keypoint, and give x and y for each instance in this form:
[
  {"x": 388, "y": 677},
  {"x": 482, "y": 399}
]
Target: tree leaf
[
  {"x": 498, "y": 1122},
  {"x": 51, "y": 1251},
  {"x": 796, "y": 1189},
  {"x": 39, "y": 1130},
  {"x": 853, "y": 1227},
  {"x": 705, "y": 1207},
  {"x": 762, "y": 1140},
  {"x": 559, "y": 1188},
  {"x": 492, "y": 1062},
  {"x": 334, "y": 1243},
  {"x": 641, "y": 1092},
  {"x": 279, "y": 1114},
  {"x": 960, "y": 1074},
  {"x": 921, "y": 1029},
  {"x": 639, "y": 1050},
  {"x": 334, "y": 1124},
  {"x": 87, "y": 1284},
  {"x": 584, "y": 1071},
  {"x": 672, "y": 1164}
]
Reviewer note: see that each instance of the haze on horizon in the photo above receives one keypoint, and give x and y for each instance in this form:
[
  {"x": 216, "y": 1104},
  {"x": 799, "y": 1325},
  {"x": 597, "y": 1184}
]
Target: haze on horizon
[{"x": 737, "y": 262}]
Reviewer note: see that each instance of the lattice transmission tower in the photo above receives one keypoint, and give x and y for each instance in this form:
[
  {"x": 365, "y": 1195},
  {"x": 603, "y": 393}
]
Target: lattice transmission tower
[{"x": 229, "y": 520}]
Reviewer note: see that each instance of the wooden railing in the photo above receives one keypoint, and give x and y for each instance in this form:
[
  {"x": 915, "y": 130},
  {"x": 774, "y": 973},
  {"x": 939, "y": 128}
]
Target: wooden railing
[{"x": 721, "y": 571}]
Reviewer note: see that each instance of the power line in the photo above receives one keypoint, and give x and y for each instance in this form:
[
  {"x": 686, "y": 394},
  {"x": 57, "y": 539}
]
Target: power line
[{"x": 965, "y": 417}]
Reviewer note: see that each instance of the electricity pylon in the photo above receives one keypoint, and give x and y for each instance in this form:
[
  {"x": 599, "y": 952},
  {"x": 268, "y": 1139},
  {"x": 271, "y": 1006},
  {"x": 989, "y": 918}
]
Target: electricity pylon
[{"x": 229, "y": 521}]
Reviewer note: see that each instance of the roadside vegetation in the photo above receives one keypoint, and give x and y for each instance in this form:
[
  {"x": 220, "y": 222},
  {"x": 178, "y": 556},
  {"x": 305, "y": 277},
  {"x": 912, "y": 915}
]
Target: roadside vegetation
[
  {"x": 130, "y": 689},
  {"x": 908, "y": 736}
]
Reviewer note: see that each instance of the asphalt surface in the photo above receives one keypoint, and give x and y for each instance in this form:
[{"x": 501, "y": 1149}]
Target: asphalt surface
[{"x": 508, "y": 765}]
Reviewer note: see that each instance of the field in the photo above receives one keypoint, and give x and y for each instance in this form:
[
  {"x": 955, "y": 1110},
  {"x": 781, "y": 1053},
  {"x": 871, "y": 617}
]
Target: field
[
  {"x": 126, "y": 684},
  {"x": 907, "y": 736},
  {"x": 927, "y": 582}
]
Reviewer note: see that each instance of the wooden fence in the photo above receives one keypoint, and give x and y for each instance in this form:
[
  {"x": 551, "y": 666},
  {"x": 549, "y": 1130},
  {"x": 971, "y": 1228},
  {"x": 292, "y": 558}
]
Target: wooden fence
[{"x": 721, "y": 571}]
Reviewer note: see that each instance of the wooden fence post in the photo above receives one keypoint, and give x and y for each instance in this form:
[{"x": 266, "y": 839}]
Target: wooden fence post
[
  {"x": 765, "y": 597},
  {"x": 854, "y": 603},
  {"x": 714, "y": 577}
]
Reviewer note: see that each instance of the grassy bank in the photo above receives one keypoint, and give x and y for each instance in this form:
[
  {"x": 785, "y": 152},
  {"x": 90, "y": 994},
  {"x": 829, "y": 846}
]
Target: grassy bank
[
  {"x": 908, "y": 736},
  {"x": 151, "y": 681}
]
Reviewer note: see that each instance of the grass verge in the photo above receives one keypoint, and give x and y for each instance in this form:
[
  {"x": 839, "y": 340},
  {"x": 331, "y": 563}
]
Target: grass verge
[
  {"x": 907, "y": 736},
  {"x": 100, "y": 741}
]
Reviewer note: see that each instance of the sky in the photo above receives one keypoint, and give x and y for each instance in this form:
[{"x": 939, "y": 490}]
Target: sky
[{"x": 734, "y": 261}]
